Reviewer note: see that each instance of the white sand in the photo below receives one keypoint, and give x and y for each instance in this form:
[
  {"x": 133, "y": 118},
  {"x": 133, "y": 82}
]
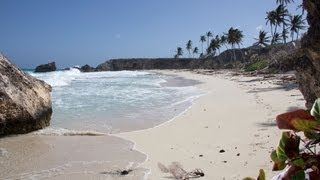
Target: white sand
[{"x": 233, "y": 116}]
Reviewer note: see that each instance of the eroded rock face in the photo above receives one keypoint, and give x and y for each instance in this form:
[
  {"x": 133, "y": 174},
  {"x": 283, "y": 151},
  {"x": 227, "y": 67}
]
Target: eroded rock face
[
  {"x": 308, "y": 66},
  {"x": 46, "y": 67},
  {"x": 25, "y": 102}
]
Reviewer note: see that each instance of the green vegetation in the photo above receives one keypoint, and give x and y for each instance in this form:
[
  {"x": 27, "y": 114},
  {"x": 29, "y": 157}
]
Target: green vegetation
[
  {"x": 296, "y": 154},
  {"x": 257, "y": 64}
]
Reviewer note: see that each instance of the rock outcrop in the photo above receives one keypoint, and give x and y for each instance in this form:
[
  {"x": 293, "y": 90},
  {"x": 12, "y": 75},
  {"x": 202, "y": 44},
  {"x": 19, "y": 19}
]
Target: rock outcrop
[
  {"x": 308, "y": 64},
  {"x": 87, "y": 68},
  {"x": 236, "y": 58},
  {"x": 160, "y": 63},
  {"x": 25, "y": 102},
  {"x": 46, "y": 67}
]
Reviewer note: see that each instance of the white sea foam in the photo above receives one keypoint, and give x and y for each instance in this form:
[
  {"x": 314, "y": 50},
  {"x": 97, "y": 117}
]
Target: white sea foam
[
  {"x": 93, "y": 100},
  {"x": 67, "y": 132}
]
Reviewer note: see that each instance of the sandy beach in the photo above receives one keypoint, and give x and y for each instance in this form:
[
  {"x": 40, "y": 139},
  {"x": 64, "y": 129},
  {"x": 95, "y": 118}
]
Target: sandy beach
[{"x": 228, "y": 133}]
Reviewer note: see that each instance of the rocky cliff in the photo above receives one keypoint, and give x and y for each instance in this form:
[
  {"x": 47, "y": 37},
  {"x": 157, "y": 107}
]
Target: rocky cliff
[
  {"x": 308, "y": 63},
  {"x": 25, "y": 102},
  {"x": 236, "y": 58},
  {"x": 160, "y": 63}
]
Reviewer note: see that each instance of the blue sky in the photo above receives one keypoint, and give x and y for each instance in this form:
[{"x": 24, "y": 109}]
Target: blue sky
[{"x": 78, "y": 32}]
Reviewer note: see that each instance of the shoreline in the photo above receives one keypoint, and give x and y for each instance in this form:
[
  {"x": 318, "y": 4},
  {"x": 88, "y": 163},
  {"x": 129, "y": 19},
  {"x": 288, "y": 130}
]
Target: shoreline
[
  {"x": 143, "y": 139},
  {"x": 193, "y": 137}
]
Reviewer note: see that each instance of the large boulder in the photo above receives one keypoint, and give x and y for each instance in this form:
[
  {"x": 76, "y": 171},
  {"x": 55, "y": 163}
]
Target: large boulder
[
  {"x": 87, "y": 68},
  {"x": 25, "y": 102},
  {"x": 308, "y": 65},
  {"x": 46, "y": 67}
]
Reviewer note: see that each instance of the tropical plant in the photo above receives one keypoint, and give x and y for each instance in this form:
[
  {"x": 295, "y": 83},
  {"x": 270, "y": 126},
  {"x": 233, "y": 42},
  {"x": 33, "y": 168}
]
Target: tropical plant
[
  {"x": 284, "y": 2},
  {"x": 224, "y": 41},
  {"x": 276, "y": 38},
  {"x": 208, "y": 34},
  {"x": 296, "y": 24},
  {"x": 189, "y": 47},
  {"x": 284, "y": 34},
  {"x": 179, "y": 52},
  {"x": 218, "y": 43},
  {"x": 282, "y": 13},
  {"x": 202, "y": 40},
  {"x": 234, "y": 37},
  {"x": 195, "y": 51},
  {"x": 263, "y": 39},
  {"x": 271, "y": 19},
  {"x": 296, "y": 155},
  {"x": 214, "y": 46}
]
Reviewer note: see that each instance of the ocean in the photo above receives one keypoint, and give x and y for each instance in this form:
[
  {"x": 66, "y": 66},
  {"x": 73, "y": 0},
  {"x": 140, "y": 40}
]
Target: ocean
[
  {"x": 87, "y": 109},
  {"x": 117, "y": 101}
]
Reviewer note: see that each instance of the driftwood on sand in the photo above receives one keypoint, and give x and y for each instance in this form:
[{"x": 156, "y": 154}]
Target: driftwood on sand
[{"x": 177, "y": 171}]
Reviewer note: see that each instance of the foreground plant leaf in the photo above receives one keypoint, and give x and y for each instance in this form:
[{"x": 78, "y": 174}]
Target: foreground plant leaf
[
  {"x": 299, "y": 120},
  {"x": 315, "y": 111},
  {"x": 278, "y": 163},
  {"x": 262, "y": 175}
]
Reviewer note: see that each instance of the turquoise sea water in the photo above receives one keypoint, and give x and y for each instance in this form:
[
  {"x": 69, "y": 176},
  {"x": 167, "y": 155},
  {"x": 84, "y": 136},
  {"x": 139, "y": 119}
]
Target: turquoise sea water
[{"x": 111, "y": 102}]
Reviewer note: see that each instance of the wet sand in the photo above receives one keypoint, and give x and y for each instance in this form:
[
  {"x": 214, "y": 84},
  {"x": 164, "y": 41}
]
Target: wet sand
[{"x": 68, "y": 157}]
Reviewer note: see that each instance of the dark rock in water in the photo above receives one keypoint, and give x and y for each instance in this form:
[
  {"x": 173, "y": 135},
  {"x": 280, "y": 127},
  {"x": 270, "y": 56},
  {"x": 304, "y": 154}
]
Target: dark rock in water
[
  {"x": 87, "y": 68},
  {"x": 46, "y": 67},
  {"x": 25, "y": 102},
  {"x": 308, "y": 64},
  {"x": 66, "y": 69}
]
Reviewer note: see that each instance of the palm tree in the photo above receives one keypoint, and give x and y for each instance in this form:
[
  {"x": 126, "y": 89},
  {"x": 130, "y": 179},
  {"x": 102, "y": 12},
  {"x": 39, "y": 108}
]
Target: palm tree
[
  {"x": 208, "y": 34},
  {"x": 296, "y": 24},
  {"x": 202, "y": 40},
  {"x": 224, "y": 41},
  {"x": 179, "y": 52},
  {"x": 263, "y": 39},
  {"x": 234, "y": 36},
  {"x": 189, "y": 47},
  {"x": 284, "y": 34},
  {"x": 281, "y": 14},
  {"x": 284, "y": 2},
  {"x": 195, "y": 51},
  {"x": 276, "y": 38},
  {"x": 214, "y": 46},
  {"x": 218, "y": 43},
  {"x": 271, "y": 19}
]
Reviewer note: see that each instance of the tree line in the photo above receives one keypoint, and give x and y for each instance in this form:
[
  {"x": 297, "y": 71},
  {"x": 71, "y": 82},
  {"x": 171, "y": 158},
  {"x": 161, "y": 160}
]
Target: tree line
[{"x": 281, "y": 23}]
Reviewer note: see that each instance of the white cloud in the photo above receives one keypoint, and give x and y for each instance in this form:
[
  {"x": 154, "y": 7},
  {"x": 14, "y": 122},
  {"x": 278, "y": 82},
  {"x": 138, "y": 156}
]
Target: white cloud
[{"x": 258, "y": 28}]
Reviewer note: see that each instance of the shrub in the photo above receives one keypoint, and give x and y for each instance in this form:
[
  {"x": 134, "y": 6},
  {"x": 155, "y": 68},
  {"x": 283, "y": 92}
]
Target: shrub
[{"x": 257, "y": 64}]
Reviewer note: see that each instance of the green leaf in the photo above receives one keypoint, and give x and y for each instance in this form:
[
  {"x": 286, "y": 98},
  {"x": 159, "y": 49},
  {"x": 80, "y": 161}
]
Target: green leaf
[
  {"x": 299, "y": 175},
  {"x": 304, "y": 125},
  {"x": 248, "y": 178},
  {"x": 312, "y": 135},
  {"x": 278, "y": 164},
  {"x": 262, "y": 175},
  {"x": 315, "y": 111},
  {"x": 299, "y": 162}
]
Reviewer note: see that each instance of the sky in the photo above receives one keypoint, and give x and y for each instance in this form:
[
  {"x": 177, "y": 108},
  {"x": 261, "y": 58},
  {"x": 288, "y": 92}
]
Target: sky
[{"x": 79, "y": 32}]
